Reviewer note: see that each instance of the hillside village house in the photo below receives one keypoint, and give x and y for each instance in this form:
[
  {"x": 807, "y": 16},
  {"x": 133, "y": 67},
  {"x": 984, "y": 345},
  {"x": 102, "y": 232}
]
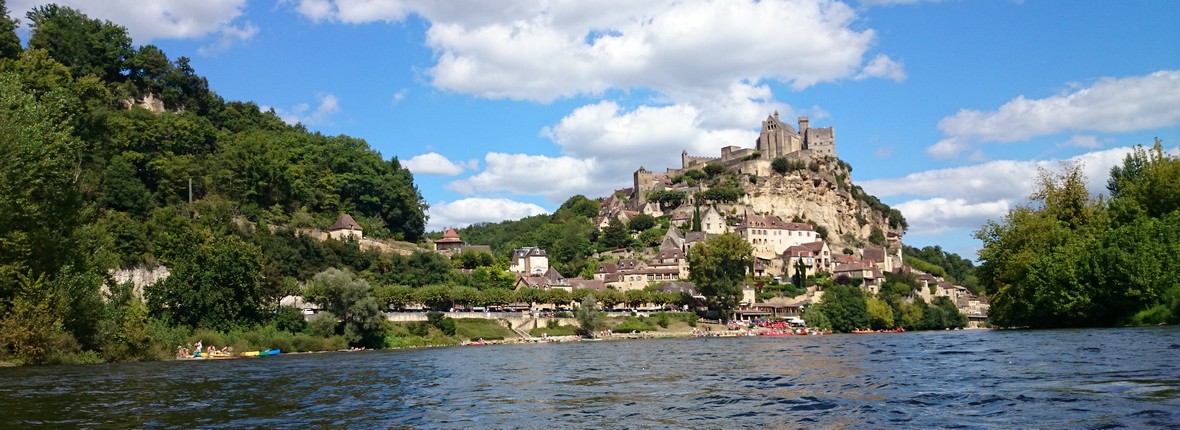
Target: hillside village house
[
  {"x": 344, "y": 227},
  {"x": 816, "y": 257},
  {"x": 529, "y": 260},
  {"x": 771, "y": 236},
  {"x": 449, "y": 243}
]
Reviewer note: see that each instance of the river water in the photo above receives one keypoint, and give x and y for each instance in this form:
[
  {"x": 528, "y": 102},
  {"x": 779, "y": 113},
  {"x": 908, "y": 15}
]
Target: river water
[{"x": 1104, "y": 378}]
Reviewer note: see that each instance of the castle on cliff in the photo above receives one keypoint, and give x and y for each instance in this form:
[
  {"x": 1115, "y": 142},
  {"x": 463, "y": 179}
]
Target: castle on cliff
[{"x": 777, "y": 139}]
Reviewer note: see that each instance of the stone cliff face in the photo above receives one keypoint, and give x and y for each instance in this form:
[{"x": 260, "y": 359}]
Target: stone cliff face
[
  {"x": 817, "y": 191},
  {"x": 825, "y": 197}
]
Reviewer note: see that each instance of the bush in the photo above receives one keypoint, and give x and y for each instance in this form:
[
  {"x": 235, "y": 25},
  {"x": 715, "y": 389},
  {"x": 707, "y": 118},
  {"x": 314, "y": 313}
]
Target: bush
[
  {"x": 322, "y": 325},
  {"x": 290, "y": 319}
]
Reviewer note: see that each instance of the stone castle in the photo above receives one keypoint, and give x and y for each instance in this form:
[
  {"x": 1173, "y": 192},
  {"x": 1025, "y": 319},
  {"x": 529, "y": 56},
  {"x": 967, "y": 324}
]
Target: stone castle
[{"x": 777, "y": 139}]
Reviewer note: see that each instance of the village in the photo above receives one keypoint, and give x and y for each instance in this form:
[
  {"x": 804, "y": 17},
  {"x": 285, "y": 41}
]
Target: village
[{"x": 784, "y": 251}]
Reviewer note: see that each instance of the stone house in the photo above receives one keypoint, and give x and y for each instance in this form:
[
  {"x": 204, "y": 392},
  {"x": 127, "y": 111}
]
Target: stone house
[
  {"x": 817, "y": 256},
  {"x": 450, "y": 242},
  {"x": 770, "y": 236},
  {"x": 344, "y": 227},
  {"x": 869, "y": 274},
  {"x": 529, "y": 261}
]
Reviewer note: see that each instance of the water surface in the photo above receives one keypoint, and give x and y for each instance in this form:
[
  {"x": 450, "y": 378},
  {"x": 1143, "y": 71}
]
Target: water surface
[{"x": 1104, "y": 378}]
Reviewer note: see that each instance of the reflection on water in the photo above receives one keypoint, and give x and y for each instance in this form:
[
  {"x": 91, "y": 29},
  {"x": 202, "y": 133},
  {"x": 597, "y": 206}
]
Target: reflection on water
[{"x": 968, "y": 379}]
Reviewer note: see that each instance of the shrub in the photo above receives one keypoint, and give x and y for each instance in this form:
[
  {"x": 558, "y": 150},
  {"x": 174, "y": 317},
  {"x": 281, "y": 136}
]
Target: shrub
[{"x": 323, "y": 325}]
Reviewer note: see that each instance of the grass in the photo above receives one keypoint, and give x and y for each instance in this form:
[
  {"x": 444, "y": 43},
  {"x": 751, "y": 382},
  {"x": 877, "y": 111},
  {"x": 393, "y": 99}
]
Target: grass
[{"x": 479, "y": 328}]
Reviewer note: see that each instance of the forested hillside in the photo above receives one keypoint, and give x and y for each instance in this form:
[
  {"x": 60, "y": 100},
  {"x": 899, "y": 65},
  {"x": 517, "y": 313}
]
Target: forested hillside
[{"x": 91, "y": 181}]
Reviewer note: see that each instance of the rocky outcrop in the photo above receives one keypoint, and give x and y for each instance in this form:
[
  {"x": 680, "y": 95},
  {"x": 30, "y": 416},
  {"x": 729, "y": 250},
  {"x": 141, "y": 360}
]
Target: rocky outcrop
[{"x": 820, "y": 193}]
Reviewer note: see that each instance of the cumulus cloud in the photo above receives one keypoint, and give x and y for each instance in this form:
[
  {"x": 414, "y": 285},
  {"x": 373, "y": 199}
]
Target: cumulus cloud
[
  {"x": 464, "y": 212},
  {"x": 148, "y": 20},
  {"x": 1110, "y": 105},
  {"x": 544, "y": 50},
  {"x": 940, "y": 215},
  {"x": 302, "y": 113},
  {"x": 965, "y": 197},
  {"x": 555, "y": 178},
  {"x": 433, "y": 163}
]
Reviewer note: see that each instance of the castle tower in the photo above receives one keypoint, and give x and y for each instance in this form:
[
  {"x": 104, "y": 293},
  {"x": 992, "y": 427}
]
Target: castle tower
[
  {"x": 777, "y": 139},
  {"x": 643, "y": 185},
  {"x": 803, "y": 125}
]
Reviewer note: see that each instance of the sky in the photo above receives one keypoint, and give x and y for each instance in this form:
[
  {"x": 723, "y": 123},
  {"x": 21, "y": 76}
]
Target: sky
[{"x": 504, "y": 109}]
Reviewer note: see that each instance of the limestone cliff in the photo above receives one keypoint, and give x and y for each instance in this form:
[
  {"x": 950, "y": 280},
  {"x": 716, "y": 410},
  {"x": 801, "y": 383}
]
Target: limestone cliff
[{"x": 816, "y": 190}]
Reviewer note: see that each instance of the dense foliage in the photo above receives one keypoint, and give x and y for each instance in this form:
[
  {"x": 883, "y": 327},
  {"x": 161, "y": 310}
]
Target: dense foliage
[
  {"x": 1070, "y": 259},
  {"x": 718, "y": 267},
  {"x": 91, "y": 181}
]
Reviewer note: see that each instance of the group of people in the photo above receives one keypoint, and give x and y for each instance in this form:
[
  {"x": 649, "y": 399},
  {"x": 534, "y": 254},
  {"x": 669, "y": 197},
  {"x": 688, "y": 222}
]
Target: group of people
[{"x": 199, "y": 349}]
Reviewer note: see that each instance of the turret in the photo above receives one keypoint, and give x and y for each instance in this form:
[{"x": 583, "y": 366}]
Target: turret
[{"x": 803, "y": 124}]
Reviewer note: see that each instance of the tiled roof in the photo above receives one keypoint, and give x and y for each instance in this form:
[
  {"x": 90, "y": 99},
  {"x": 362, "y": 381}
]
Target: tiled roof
[
  {"x": 345, "y": 222},
  {"x": 449, "y": 237}
]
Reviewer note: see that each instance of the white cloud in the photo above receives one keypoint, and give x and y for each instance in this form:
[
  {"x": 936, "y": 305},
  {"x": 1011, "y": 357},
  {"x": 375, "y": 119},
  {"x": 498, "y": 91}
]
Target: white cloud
[
  {"x": 871, "y": 3},
  {"x": 464, "y": 212},
  {"x": 965, "y": 197},
  {"x": 556, "y": 178},
  {"x": 544, "y": 50},
  {"x": 883, "y": 67},
  {"x": 433, "y": 163},
  {"x": 229, "y": 37},
  {"x": 148, "y": 20},
  {"x": 1111, "y": 105},
  {"x": 399, "y": 96},
  {"x": 302, "y": 113},
  {"x": 1082, "y": 142},
  {"x": 940, "y": 215}
]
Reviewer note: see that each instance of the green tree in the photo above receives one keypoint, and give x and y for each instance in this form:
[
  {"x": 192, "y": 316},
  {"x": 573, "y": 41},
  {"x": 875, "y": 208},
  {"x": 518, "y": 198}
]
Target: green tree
[
  {"x": 9, "y": 42},
  {"x": 615, "y": 235},
  {"x": 351, "y": 300},
  {"x": 636, "y": 298},
  {"x": 714, "y": 169},
  {"x": 641, "y": 222},
  {"x": 846, "y": 307},
  {"x": 214, "y": 286},
  {"x": 718, "y": 268},
  {"x": 588, "y": 316},
  {"x": 781, "y": 165},
  {"x": 880, "y": 314},
  {"x": 87, "y": 46},
  {"x": 39, "y": 194},
  {"x": 578, "y": 206},
  {"x": 1032, "y": 259},
  {"x": 815, "y": 317}
]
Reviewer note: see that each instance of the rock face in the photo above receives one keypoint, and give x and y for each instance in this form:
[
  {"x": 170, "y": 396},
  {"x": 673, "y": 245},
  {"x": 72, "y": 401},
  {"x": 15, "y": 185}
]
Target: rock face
[
  {"x": 817, "y": 191},
  {"x": 825, "y": 197}
]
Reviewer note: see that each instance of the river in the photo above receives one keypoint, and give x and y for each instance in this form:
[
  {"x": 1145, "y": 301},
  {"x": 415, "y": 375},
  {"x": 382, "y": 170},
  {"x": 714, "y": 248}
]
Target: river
[{"x": 1094, "y": 378}]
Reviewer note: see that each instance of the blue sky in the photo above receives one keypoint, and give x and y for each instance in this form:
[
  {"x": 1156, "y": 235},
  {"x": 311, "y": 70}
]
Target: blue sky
[{"x": 945, "y": 109}]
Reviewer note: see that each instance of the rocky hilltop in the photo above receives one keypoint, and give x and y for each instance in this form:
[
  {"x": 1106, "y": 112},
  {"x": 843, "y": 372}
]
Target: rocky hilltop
[{"x": 794, "y": 175}]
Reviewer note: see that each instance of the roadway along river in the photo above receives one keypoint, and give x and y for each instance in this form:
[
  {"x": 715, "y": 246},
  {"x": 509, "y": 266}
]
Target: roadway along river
[{"x": 966, "y": 379}]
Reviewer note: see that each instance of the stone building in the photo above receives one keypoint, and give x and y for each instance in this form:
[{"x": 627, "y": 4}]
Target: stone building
[
  {"x": 529, "y": 261},
  {"x": 450, "y": 242},
  {"x": 344, "y": 227}
]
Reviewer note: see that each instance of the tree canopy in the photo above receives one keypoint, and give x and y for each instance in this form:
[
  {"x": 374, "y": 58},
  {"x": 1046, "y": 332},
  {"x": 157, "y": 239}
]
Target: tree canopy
[
  {"x": 718, "y": 268},
  {"x": 1070, "y": 259}
]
